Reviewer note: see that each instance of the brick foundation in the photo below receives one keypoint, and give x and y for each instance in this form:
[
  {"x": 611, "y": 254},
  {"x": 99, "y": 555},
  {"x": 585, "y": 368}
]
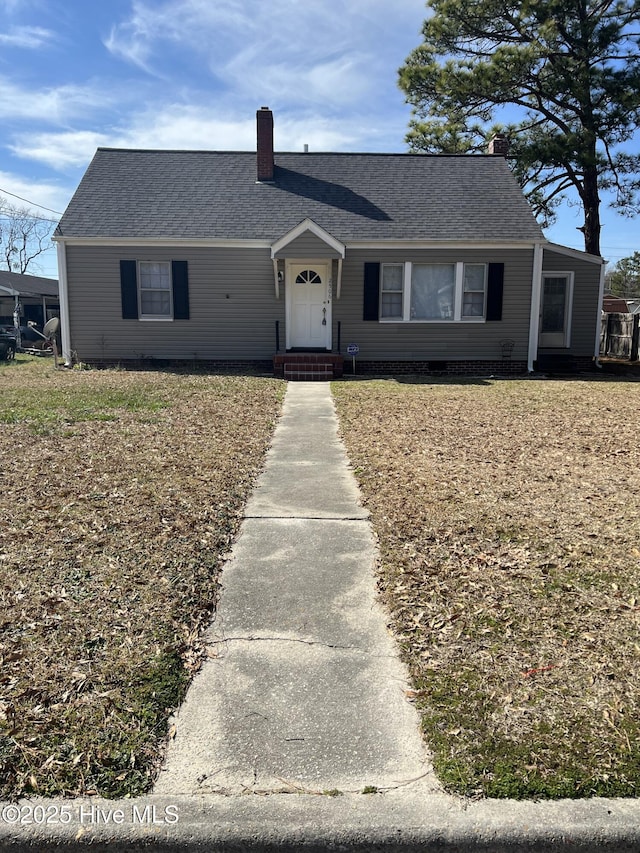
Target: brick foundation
[
  {"x": 440, "y": 368},
  {"x": 186, "y": 365},
  {"x": 326, "y": 366}
]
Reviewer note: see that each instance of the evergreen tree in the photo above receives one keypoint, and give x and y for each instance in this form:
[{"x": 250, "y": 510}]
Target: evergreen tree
[{"x": 572, "y": 70}]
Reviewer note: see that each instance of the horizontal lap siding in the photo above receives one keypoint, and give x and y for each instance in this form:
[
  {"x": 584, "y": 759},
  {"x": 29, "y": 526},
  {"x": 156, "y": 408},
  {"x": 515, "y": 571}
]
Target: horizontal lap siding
[
  {"x": 437, "y": 341},
  {"x": 308, "y": 245},
  {"x": 241, "y": 326},
  {"x": 585, "y": 317}
]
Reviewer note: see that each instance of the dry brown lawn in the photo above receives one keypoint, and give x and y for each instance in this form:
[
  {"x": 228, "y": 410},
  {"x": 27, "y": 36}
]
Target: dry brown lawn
[
  {"x": 509, "y": 526},
  {"x": 508, "y": 516},
  {"x": 119, "y": 496}
]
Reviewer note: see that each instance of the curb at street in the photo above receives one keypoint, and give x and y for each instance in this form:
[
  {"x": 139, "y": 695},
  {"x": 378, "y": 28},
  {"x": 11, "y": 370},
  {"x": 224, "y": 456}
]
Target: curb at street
[{"x": 399, "y": 821}]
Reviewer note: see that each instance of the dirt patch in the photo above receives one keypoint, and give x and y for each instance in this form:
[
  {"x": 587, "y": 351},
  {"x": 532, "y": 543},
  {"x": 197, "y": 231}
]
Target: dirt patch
[{"x": 509, "y": 527}]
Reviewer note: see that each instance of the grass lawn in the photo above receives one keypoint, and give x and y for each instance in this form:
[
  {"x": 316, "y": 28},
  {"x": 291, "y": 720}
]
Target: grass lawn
[
  {"x": 508, "y": 517},
  {"x": 120, "y": 493}
]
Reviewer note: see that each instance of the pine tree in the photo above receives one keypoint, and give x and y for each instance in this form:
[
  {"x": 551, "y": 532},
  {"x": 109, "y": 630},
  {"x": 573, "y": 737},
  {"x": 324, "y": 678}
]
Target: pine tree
[{"x": 571, "y": 70}]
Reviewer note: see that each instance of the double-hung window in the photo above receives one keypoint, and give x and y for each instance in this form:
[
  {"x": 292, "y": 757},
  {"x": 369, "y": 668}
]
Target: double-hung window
[
  {"x": 154, "y": 279},
  {"x": 392, "y": 291},
  {"x": 474, "y": 292},
  {"x": 154, "y": 290}
]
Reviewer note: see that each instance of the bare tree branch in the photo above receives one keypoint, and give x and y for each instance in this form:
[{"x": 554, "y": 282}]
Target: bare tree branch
[{"x": 23, "y": 237}]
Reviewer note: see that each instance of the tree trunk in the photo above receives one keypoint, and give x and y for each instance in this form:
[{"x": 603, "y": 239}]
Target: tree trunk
[{"x": 591, "y": 203}]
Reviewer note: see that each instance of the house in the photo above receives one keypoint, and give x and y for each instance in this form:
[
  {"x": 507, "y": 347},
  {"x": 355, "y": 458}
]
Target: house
[
  {"x": 35, "y": 297},
  {"x": 292, "y": 259}
]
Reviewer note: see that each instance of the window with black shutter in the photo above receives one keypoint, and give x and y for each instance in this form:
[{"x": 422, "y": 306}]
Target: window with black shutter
[{"x": 154, "y": 290}]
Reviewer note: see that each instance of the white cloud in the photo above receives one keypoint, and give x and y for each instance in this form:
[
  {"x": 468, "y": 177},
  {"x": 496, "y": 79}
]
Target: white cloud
[
  {"x": 27, "y": 37},
  {"x": 60, "y": 151},
  {"x": 8, "y": 6},
  {"x": 316, "y": 131},
  {"x": 303, "y": 53},
  {"x": 324, "y": 70},
  {"x": 186, "y": 127},
  {"x": 198, "y": 24},
  {"x": 56, "y": 105},
  {"x": 40, "y": 192},
  {"x": 335, "y": 82}
]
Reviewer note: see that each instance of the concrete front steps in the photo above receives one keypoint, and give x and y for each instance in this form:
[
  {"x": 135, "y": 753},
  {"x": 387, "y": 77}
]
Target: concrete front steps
[{"x": 308, "y": 366}]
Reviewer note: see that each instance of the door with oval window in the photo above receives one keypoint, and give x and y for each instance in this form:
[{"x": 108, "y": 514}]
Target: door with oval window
[{"x": 309, "y": 307}]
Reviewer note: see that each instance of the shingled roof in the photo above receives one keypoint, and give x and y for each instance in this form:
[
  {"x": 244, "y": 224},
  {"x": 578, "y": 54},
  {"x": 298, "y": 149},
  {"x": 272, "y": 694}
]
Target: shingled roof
[
  {"x": 27, "y": 285},
  {"x": 214, "y": 194}
]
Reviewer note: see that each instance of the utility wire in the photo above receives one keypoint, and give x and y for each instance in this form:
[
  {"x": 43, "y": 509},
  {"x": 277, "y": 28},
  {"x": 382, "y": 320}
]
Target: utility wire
[
  {"x": 35, "y": 204},
  {"x": 29, "y": 216}
]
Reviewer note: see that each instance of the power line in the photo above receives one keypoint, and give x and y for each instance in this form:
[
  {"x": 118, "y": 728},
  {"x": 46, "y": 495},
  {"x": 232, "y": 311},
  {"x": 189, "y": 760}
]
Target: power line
[
  {"x": 30, "y": 216},
  {"x": 34, "y": 203}
]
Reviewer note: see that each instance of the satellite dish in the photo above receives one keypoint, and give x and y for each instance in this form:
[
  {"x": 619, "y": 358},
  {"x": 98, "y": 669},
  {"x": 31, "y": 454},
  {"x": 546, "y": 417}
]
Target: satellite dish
[{"x": 51, "y": 327}]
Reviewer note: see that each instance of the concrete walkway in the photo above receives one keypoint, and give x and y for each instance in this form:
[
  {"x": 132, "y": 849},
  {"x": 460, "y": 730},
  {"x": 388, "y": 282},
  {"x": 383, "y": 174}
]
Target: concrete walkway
[
  {"x": 304, "y": 690},
  {"x": 303, "y": 698}
]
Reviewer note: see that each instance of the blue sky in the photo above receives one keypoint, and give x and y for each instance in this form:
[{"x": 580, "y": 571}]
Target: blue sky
[{"x": 76, "y": 74}]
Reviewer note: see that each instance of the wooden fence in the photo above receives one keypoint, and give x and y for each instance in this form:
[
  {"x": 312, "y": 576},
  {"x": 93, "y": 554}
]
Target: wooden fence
[{"x": 620, "y": 336}]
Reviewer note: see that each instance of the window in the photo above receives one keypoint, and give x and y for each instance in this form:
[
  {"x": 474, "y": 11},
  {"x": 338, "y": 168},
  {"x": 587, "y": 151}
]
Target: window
[
  {"x": 155, "y": 289},
  {"x": 554, "y": 297},
  {"x": 308, "y": 277},
  {"x": 433, "y": 290},
  {"x": 392, "y": 291},
  {"x": 450, "y": 292},
  {"x": 474, "y": 290}
]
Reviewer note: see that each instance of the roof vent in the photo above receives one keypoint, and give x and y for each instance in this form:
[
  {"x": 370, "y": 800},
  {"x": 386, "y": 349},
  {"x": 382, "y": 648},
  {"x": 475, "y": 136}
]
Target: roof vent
[{"x": 264, "y": 127}]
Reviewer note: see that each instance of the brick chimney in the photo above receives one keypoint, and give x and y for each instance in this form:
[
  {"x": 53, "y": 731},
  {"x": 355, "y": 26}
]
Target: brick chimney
[
  {"x": 264, "y": 126},
  {"x": 499, "y": 144}
]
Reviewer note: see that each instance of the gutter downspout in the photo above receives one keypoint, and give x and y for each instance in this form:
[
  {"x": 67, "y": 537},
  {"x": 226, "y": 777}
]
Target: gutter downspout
[
  {"x": 64, "y": 303},
  {"x": 536, "y": 290},
  {"x": 596, "y": 355}
]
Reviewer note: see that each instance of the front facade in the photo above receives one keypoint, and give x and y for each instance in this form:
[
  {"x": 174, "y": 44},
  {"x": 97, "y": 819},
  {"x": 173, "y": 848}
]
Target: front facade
[{"x": 421, "y": 262}]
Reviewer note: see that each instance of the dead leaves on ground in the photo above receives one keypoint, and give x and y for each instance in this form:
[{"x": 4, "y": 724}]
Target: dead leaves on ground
[
  {"x": 508, "y": 522},
  {"x": 114, "y": 531}
]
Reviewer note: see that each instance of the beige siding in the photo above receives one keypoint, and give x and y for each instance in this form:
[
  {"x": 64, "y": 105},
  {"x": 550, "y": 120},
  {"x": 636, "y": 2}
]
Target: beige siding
[
  {"x": 585, "y": 315},
  {"x": 307, "y": 245},
  {"x": 437, "y": 341},
  {"x": 234, "y": 310},
  {"x": 233, "y": 307}
]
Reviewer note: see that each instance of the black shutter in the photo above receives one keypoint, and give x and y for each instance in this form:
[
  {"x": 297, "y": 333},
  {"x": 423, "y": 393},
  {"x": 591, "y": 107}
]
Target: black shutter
[
  {"x": 129, "y": 290},
  {"x": 180, "y": 279},
  {"x": 495, "y": 286},
  {"x": 371, "y": 302}
]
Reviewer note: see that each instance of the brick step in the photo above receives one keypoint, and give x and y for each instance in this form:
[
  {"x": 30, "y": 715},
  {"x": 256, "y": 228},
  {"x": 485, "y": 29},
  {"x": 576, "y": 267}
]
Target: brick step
[
  {"x": 308, "y": 371},
  {"x": 306, "y": 366}
]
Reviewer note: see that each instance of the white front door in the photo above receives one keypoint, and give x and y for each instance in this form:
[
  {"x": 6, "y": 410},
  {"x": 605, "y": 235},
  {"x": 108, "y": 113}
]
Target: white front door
[{"x": 309, "y": 306}]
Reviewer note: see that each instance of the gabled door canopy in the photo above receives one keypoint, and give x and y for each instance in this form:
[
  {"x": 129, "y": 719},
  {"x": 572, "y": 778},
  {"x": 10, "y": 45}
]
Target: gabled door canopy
[
  {"x": 314, "y": 228},
  {"x": 300, "y": 229}
]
